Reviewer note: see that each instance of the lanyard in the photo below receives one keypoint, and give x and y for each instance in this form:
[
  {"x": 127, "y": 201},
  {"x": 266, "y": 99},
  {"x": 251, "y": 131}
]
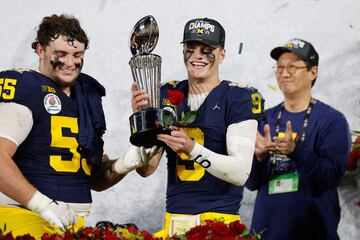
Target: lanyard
[{"x": 305, "y": 124}]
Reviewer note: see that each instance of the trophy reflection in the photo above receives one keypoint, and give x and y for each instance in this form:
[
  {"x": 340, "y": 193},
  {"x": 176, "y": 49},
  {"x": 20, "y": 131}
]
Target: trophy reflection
[{"x": 146, "y": 71}]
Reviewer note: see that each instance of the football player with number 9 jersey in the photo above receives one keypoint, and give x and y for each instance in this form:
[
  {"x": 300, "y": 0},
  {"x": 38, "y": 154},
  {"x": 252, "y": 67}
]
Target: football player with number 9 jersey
[{"x": 209, "y": 157}]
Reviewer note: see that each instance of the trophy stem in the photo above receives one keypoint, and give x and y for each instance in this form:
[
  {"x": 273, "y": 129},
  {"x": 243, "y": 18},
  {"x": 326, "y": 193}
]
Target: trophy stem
[{"x": 146, "y": 70}]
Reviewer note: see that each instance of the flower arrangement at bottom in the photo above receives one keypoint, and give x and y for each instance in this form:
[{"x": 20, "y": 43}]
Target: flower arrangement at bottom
[
  {"x": 102, "y": 231},
  {"x": 217, "y": 230},
  {"x": 208, "y": 230}
]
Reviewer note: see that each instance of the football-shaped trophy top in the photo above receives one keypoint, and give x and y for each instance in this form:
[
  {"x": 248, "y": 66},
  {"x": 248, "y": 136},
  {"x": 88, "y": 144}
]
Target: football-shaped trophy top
[{"x": 144, "y": 36}]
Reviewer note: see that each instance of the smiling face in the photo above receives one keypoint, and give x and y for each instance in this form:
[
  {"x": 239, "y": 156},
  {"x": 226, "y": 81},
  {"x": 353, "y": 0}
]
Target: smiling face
[
  {"x": 294, "y": 83},
  {"x": 202, "y": 62},
  {"x": 61, "y": 61}
]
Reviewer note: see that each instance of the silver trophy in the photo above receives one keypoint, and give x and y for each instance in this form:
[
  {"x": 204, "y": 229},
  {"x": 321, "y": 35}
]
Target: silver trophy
[{"x": 146, "y": 71}]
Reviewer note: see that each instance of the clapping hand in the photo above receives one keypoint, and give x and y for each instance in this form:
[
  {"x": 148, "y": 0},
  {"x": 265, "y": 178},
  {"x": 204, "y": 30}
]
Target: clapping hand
[
  {"x": 261, "y": 150},
  {"x": 279, "y": 145},
  {"x": 283, "y": 145}
]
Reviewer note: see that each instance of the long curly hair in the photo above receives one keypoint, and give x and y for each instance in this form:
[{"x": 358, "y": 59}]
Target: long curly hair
[{"x": 53, "y": 26}]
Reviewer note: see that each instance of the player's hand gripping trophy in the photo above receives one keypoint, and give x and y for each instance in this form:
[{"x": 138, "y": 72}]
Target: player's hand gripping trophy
[{"x": 146, "y": 71}]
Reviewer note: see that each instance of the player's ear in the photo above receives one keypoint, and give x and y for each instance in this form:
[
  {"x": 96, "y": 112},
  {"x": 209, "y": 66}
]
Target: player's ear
[
  {"x": 222, "y": 54},
  {"x": 313, "y": 73},
  {"x": 40, "y": 51}
]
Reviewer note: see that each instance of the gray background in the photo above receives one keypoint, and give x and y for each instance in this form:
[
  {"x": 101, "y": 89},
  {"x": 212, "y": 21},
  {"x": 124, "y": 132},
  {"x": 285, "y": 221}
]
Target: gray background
[{"x": 333, "y": 26}]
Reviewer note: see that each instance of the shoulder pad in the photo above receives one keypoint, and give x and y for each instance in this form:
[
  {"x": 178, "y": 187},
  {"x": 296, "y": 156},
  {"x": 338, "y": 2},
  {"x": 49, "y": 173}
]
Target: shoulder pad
[
  {"x": 22, "y": 70},
  {"x": 240, "y": 85},
  {"x": 172, "y": 83},
  {"x": 243, "y": 86}
]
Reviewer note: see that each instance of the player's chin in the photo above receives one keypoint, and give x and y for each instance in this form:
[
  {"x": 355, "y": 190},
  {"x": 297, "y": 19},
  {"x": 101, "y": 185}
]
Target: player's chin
[
  {"x": 286, "y": 89},
  {"x": 198, "y": 75},
  {"x": 68, "y": 80}
]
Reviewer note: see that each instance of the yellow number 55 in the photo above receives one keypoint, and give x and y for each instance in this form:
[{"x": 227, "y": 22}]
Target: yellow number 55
[{"x": 7, "y": 88}]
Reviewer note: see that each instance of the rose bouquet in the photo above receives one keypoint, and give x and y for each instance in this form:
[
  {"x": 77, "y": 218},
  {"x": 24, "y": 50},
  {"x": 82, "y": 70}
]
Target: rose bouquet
[
  {"x": 102, "y": 231},
  {"x": 216, "y": 230}
]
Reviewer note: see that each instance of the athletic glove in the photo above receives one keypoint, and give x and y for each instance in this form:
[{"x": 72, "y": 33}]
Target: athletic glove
[
  {"x": 55, "y": 212},
  {"x": 134, "y": 158}
]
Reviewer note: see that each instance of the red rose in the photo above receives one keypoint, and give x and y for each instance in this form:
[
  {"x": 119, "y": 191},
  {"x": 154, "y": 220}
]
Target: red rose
[
  {"x": 45, "y": 236},
  {"x": 110, "y": 237},
  {"x": 236, "y": 227},
  {"x": 208, "y": 222},
  {"x": 219, "y": 228},
  {"x": 196, "y": 236},
  {"x": 26, "y": 237},
  {"x": 9, "y": 236},
  {"x": 147, "y": 235},
  {"x": 198, "y": 230},
  {"x": 97, "y": 233},
  {"x": 223, "y": 238},
  {"x": 175, "y": 97},
  {"x": 68, "y": 236},
  {"x": 133, "y": 229},
  {"x": 86, "y": 231},
  {"x": 56, "y": 236}
]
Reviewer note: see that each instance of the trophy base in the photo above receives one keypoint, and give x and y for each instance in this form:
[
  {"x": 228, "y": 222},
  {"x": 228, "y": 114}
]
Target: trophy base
[
  {"x": 148, "y": 138},
  {"x": 147, "y": 123}
]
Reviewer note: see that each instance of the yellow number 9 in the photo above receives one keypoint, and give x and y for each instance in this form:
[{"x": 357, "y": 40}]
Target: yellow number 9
[
  {"x": 198, "y": 172},
  {"x": 256, "y": 102}
]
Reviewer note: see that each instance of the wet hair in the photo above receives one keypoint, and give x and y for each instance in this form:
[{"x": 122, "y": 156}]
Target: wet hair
[{"x": 53, "y": 26}]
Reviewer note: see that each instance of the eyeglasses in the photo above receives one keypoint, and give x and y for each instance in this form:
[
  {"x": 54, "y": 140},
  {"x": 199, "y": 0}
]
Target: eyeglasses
[{"x": 290, "y": 68}]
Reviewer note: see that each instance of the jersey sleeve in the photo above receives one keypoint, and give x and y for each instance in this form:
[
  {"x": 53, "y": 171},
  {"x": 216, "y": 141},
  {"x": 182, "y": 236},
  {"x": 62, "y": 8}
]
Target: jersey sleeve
[
  {"x": 244, "y": 103},
  {"x": 15, "y": 122},
  {"x": 14, "y": 87}
]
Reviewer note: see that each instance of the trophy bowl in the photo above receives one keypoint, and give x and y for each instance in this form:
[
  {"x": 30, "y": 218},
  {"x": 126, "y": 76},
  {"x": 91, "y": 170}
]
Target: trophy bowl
[{"x": 146, "y": 71}]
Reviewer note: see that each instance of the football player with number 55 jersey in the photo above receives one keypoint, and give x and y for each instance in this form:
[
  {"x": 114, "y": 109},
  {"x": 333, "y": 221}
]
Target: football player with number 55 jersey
[
  {"x": 210, "y": 150},
  {"x": 51, "y": 127}
]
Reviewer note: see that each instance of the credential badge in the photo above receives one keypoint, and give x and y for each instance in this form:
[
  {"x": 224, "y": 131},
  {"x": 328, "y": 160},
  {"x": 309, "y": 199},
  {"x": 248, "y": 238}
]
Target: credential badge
[{"x": 52, "y": 103}]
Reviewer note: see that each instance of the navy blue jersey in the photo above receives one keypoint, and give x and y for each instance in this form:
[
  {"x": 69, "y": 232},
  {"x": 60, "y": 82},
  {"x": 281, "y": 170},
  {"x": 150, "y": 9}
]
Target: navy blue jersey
[
  {"x": 191, "y": 189},
  {"x": 50, "y": 156},
  {"x": 313, "y": 211}
]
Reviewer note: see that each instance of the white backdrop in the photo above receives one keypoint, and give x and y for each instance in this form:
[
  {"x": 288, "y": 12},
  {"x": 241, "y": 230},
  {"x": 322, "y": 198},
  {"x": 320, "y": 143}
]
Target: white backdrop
[{"x": 333, "y": 26}]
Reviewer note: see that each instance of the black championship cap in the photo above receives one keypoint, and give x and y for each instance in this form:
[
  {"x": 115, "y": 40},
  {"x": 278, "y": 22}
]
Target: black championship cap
[
  {"x": 300, "y": 48},
  {"x": 206, "y": 31}
]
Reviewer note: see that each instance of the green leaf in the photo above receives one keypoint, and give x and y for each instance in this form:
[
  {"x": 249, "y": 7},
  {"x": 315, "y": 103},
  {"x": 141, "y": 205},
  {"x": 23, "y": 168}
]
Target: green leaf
[
  {"x": 187, "y": 118},
  {"x": 182, "y": 115},
  {"x": 355, "y": 133},
  {"x": 168, "y": 120},
  {"x": 356, "y": 147},
  {"x": 3, "y": 230},
  {"x": 245, "y": 233}
]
